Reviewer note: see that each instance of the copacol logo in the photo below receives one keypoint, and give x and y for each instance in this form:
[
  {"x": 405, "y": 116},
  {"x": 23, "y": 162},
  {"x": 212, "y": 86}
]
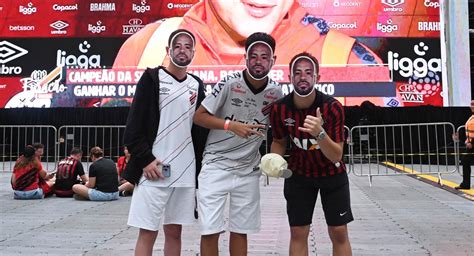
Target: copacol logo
[
  {"x": 9, "y": 52},
  {"x": 82, "y": 61}
]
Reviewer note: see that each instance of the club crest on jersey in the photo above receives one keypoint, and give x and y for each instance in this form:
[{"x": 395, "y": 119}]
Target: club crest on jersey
[
  {"x": 306, "y": 144},
  {"x": 192, "y": 98},
  {"x": 290, "y": 122}
]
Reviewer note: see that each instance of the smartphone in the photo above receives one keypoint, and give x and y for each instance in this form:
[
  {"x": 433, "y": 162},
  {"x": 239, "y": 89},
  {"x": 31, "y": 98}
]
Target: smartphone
[{"x": 165, "y": 169}]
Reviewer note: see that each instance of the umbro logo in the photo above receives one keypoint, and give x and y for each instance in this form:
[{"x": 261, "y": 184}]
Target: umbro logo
[
  {"x": 59, "y": 26},
  {"x": 290, "y": 122},
  {"x": 393, "y": 3},
  {"x": 9, "y": 52},
  {"x": 164, "y": 91}
]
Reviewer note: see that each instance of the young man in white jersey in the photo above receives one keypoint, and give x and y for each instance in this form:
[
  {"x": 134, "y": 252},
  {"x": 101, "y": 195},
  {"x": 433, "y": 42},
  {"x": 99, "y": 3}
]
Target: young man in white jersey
[
  {"x": 159, "y": 136},
  {"x": 237, "y": 113}
]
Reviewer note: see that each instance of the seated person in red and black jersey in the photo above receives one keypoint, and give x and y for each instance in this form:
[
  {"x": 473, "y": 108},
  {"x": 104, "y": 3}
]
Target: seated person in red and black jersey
[
  {"x": 29, "y": 180},
  {"x": 103, "y": 182},
  {"x": 314, "y": 123},
  {"x": 125, "y": 187},
  {"x": 69, "y": 169}
]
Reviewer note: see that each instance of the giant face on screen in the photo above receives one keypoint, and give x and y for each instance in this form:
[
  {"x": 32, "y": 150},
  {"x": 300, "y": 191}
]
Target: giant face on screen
[{"x": 77, "y": 53}]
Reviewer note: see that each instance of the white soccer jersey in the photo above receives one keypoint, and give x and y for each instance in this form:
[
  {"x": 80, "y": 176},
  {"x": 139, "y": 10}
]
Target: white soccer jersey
[
  {"x": 233, "y": 99},
  {"x": 173, "y": 144}
]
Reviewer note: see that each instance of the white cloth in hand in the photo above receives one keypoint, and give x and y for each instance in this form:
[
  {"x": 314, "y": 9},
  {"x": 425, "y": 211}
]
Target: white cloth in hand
[{"x": 273, "y": 165}]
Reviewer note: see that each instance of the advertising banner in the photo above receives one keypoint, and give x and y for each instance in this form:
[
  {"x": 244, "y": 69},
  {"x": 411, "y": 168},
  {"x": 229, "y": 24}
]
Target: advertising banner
[{"x": 77, "y": 53}]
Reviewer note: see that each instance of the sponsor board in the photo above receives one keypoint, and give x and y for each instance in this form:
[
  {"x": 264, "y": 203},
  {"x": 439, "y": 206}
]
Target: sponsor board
[{"x": 9, "y": 52}]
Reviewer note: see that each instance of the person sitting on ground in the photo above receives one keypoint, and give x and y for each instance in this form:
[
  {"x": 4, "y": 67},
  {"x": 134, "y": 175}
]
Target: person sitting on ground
[
  {"x": 29, "y": 180},
  {"x": 125, "y": 188},
  {"x": 67, "y": 174},
  {"x": 103, "y": 182}
]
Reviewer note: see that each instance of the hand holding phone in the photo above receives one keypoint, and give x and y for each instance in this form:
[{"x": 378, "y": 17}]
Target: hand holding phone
[{"x": 165, "y": 169}]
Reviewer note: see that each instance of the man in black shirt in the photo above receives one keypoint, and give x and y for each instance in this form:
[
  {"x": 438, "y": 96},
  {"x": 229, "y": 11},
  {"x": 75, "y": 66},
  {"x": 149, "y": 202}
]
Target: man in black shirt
[
  {"x": 314, "y": 123},
  {"x": 103, "y": 182},
  {"x": 68, "y": 170}
]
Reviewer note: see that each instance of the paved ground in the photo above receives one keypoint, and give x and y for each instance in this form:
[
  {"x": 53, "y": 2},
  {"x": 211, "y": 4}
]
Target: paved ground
[{"x": 395, "y": 216}]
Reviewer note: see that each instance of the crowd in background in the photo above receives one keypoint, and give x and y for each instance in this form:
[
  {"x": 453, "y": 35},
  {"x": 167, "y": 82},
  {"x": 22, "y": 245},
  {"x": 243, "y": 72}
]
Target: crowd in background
[{"x": 101, "y": 183}]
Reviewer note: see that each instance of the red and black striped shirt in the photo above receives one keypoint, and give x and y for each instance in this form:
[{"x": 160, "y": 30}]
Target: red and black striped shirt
[{"x": 306, "y": 159}]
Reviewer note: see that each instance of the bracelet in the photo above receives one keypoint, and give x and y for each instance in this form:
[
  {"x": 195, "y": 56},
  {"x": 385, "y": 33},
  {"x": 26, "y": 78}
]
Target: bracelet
[{"x": 226, "y": 124}]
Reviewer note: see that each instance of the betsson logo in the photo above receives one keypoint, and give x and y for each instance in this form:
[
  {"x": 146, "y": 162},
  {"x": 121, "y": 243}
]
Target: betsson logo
[
  {"x": 82, "y": 60},
  {"x": 10, "y": 52},
  {"x": 418, "y": 67},
  {"x": 21, "y": 28}
]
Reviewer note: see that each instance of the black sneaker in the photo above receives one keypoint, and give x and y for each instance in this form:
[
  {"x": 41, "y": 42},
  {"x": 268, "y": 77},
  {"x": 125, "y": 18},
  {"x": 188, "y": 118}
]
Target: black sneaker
[{"x": 461, "y": 186}]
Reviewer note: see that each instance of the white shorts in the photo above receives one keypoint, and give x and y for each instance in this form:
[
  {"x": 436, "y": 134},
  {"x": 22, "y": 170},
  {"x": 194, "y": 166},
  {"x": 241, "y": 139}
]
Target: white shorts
[
  {"x": 244, "y": 206},
  {"x": 150, "y": 203}
]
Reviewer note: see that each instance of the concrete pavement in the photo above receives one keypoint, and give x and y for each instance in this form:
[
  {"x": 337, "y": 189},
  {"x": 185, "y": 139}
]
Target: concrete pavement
[{"x": 397, "y": 215}]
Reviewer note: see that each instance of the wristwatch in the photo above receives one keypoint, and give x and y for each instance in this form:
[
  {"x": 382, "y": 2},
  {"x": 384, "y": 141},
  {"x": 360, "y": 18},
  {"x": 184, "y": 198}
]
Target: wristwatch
[{"x": 321, "y": 135}]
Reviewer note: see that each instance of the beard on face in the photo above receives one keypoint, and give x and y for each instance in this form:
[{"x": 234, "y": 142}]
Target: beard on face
[
  {"x": 260, "y": 73},
  {"x": 181, "y": 59},
  {"x": 307, "y": 89}
]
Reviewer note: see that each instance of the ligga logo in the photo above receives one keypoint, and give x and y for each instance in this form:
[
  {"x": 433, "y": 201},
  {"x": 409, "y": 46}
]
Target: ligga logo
[
  {"x": 28, "y": 9},
  {"x": 142, "y": 8},
  {"x": 419, "y": 67},
  {"x": 83, "y": 61},
  {"x": 96, "y": 29}
]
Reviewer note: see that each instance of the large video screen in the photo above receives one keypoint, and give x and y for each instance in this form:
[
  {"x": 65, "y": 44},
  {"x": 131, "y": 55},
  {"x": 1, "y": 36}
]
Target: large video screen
[{"x": 91, "y": 53}]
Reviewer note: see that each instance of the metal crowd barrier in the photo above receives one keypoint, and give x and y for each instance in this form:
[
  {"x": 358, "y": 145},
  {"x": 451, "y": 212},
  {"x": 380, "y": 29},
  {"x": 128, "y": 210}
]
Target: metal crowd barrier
[
  {"x": 14, "y": 138},
  {"x": 347, "y": 149},
  {"x": 109, "y": 138},
  {"x": 402, "y": 149},
  {"x": 372, "y": 150}
]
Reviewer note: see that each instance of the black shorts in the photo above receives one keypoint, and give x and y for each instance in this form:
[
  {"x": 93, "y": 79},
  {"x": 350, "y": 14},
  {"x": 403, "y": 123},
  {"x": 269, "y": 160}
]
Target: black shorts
[{"x": 301, "y": 194}]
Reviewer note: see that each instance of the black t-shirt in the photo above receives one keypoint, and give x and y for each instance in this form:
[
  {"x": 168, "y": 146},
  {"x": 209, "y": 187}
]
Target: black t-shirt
[
  {"x": 68, "y": 171},
  {"x": 105, "y": 172}
]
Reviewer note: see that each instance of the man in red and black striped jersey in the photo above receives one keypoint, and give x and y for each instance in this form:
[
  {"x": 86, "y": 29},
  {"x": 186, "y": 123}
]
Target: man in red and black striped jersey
[
  {"x": 314, "y": 123},
  {"x": 68, "y": 170}
]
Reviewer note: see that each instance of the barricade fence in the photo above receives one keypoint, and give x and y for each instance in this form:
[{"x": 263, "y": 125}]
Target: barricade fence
[
  {"x": 371, "y": 150},
  {"x": 14, "y": 138},
  {"x": 109, "y": 138},
  {"x": 403, "y": 149}
]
